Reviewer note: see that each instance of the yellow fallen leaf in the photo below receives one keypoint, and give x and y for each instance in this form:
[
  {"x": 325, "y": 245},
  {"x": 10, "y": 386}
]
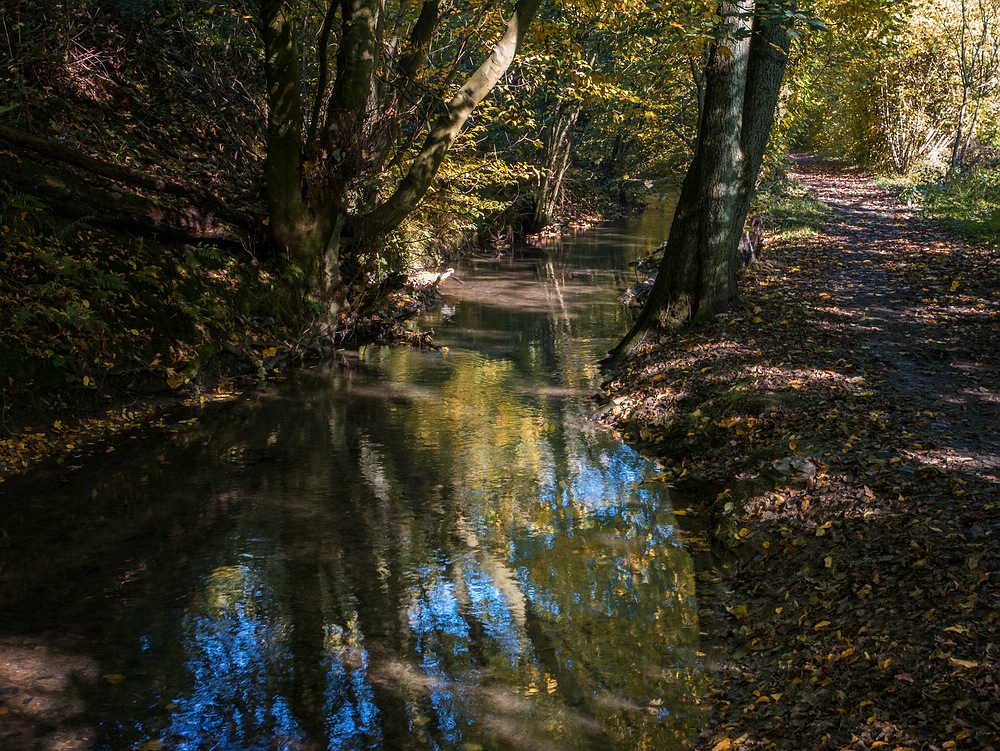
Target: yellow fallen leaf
[
  {"x": 958, "y": 629},
  {"x": 821, "y": 625},
  {"x": 269, "y": 352},
  {"x": 740, "y": 612},
  {"x": 114, "y": 678},
  {"x": 724, "y": 745},
  {"x": 964, "y": 663}
]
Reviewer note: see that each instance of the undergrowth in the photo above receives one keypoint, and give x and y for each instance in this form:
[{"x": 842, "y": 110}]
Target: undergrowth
[
  {"x": 85, "y": 312},
  {"x": 969, "y": 201},
  {"x": 787, "y": 206}
]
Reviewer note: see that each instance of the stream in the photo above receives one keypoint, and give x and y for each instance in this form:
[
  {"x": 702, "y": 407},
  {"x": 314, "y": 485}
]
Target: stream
[{"x": 399, "y": 549}]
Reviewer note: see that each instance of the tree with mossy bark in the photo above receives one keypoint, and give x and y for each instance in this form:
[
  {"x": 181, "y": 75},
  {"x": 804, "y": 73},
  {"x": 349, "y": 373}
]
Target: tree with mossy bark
[
  {"x": 329, "y": 159},
  {"x": 745, "y": 66}
]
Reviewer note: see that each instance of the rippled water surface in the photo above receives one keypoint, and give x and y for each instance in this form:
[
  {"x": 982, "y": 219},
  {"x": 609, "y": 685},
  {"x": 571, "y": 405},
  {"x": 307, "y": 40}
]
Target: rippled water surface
[{"x": 398, "y": 550}]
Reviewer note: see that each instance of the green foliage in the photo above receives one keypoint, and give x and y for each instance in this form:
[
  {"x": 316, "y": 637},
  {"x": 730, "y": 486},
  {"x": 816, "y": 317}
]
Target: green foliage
[
  {"x": 785, "y": 203},
  {"x": 969, "y": 200},
  {"x": 897, "y": 86},
  {"x": 83, "y": 309}
]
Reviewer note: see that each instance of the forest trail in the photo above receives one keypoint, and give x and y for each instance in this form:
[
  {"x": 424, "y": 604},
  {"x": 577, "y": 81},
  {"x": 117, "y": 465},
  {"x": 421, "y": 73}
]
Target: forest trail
[
  {"x": 839, "y": 429},
  {"x": 925, "y": 307}
]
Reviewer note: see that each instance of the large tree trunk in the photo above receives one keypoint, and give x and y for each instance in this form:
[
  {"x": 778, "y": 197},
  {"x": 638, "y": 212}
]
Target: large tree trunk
[
  {"x": 697, "y": 276},
  {"x": 292, "y": 221},
  {"x": 308, "y": 184}
]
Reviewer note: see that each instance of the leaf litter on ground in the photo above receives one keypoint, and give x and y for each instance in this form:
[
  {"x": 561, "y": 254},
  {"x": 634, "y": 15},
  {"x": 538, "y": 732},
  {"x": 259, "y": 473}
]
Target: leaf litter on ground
[{"x": 839, "y": 427}]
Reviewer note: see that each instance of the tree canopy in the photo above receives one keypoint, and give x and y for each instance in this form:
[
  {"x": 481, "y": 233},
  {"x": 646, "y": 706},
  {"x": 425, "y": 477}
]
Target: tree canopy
[{"x": 345, "y": 145}]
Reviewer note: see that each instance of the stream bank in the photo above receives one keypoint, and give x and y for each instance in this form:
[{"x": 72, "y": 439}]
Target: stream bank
[
  {"x": 844, "y": 419},
  {"x": 400, "y": 548}
]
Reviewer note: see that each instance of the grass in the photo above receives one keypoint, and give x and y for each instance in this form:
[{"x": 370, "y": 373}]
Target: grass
[
  {"x": 788, "y": 207},
  {"x": 969, "y": 201}
]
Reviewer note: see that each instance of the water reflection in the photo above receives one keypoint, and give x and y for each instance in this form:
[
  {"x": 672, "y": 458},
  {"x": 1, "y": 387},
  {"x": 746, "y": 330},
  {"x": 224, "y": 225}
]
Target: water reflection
[{"x": 404, "y": 551}]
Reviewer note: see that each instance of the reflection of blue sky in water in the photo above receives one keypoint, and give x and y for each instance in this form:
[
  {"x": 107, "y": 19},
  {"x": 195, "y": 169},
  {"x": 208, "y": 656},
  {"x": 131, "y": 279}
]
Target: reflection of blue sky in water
[
  {"x": 352, "y": 716},
  {"x": 241, "y": 669},
  {"x": 492, "y": 609},
  {"x": 483, "y": 568},
  {"x": 237, "y": 659}
]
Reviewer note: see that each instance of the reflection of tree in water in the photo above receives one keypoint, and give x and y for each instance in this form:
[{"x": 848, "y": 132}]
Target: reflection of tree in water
[
  {"x": 499, "y": 580},
  {"x": 239, "y": 695},
  {"x": 440, "y": 554}
]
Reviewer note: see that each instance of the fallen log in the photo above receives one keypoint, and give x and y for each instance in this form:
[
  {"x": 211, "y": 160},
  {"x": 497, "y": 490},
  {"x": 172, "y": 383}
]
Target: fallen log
[
  {"x": 69, "y": 195},
  {"x": 192, "y": 194}
]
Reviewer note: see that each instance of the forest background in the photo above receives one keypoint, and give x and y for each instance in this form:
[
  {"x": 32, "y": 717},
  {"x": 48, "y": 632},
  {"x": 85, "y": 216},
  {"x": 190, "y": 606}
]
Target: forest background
[{"x": 143, "y": 256}]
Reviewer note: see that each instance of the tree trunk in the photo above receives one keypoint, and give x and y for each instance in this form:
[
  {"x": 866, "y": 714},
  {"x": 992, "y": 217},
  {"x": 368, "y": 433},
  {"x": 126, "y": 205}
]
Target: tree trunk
[
  {"x": 309, "y": 185},
  {"x": 68, "y": 194},
  {"x": 557, "y": 140},
  {"x": 697, "y": 276},
  {"x": 125, "y": 175},
  {"x": 291, "y": 220}
]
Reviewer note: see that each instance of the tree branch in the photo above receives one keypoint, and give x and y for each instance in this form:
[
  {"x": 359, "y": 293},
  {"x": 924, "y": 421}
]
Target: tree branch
[
  {"x": 122, "y": 174},
  {"x": 448, "y": 126}
]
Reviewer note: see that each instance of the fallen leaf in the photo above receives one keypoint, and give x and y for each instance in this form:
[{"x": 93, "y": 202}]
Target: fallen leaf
[{"x": 964, "y": 663}]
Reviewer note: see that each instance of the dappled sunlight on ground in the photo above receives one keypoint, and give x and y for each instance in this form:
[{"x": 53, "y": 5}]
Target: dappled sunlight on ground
[
  {"x": 840, "y": 430},
  {"x": 40, "y": 703}
]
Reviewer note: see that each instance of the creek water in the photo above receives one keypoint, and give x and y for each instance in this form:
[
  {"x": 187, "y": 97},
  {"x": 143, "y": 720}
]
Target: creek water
[{"x": 401, "y": 549}]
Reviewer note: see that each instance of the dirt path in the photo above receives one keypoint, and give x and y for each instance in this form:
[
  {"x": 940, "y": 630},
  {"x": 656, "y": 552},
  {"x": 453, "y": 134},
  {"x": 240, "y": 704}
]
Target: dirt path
[
  {"x": 929, "y": 309},
  {"x": 839, "y": 430}
]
